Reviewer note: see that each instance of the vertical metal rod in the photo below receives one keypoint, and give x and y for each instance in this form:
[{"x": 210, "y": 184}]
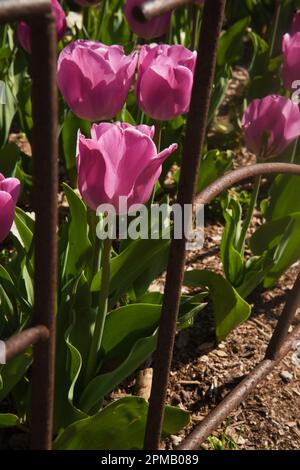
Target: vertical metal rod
[
  {"x": 195, "y": 134},
  {"x": 281, "y": 331},
  {"x": 45, "y": 173}
]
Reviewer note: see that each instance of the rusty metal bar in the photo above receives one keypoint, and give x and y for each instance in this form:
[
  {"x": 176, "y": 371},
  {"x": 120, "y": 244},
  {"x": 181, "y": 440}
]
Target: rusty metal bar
[
  {"x": 240, "y": 393},
  {"x": 11, "y": 10},
  {"x": 280, "y": 343},
  {"x": 284, "y": 322},
  {"x": 152, "y": 8},
  {"x": 195, "y": 134},
  {"x": 38, "y": 14},
  {"x": 260, "y": 169},
  {"x": 19, "y": 342},
  {"x": 45, "y": 175}
]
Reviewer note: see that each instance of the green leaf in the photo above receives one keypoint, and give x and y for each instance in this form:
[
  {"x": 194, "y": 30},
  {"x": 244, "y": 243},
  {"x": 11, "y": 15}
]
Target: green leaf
[
  {"x": 282, "y": 237},
  {"x": 129, "y": 337},
  {"x": 119, "y": 426},
  {"x": 105, "y": 383},
  {"x": 230, "y": 310},
  {"x": 68, "y": 366},
  {"x": 284, "y": 197},
  {"x": 213, "y": 165},
  {"x": 130, "y": 264},
  {"x": 13, "y": 371},
  {"x": 69, "y": 137},
  {"x": 25, "y": 226},
  {"x": 79, "y": 246},
  {"x": 7, "y": 113},
  {"x": 219, "y": 91},
  {"x": 8, "y": 420},
  {"x": 231, "y": 47},
  {"x": 125, "y": 325},
  {"x": 232, "y": 259},
  {"x": 9, "y": 156}
]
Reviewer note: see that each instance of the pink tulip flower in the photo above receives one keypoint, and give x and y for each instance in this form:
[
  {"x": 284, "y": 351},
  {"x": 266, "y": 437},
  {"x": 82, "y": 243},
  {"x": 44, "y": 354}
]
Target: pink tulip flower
[
  {"x": 270, "y": 125},
  {"x": 9, "y": 193},
  {"x": 291, "y": 64},
  {"x": 23, "y": 30},
  {"x": 95, "y": 79},
  {"x": 118, "y": 160},
  {"x": 148, "y": 29},
  {"x": 165, "y": 79},
  {"x": 296, "y": 23}
]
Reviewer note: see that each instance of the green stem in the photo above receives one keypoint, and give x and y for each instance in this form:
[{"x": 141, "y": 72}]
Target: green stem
[
  {"x": 275, "y": 27},
  {"x": 196, "y": 15},
  {"x": 158, "y": 134},
  {"x": 101, "y": 19},
  {"x": 102, "y": 311},
  {"x": 293, "y": 156},
  {"x": 253, "y": 201}
]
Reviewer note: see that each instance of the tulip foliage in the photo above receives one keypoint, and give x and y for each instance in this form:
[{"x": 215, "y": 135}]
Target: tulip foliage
[{"x": 125, "y": 91}]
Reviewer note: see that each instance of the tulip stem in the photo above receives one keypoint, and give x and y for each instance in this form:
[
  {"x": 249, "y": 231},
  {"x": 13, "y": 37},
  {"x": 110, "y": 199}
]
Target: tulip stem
[
  {"x": 253, "y": 201},
  {"x": 101, "y": 312},
  {"x": 158, "y": 134},
  {"x": 275, "y": 27},
  {"x": 294, "y": 151}
]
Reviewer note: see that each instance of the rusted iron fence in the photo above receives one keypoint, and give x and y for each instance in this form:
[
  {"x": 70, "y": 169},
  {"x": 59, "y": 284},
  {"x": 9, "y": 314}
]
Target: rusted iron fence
[
  {"x": 38, "y": 14},
  {"x": 42, "y": 333}
]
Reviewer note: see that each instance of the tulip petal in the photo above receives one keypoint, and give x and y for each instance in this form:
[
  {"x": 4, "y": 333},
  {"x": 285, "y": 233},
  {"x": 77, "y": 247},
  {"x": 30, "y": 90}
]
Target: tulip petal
[
  {"x": 146, "y": 180},
  {"x": 92, "y": 172},
  {"x": 11, "y": 186},
  {"x": 7, "y": 208}
]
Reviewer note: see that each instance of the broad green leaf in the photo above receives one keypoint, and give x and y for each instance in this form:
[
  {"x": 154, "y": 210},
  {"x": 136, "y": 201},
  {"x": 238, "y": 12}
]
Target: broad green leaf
[
  {"x": 8, "y": 420},
  {"x": 9, "y": 156},
  {"x": 25, "y": 226},
  {"x": 119, "y": 426},
  {"x": 79, "y": 246},
  {"x": 284, "y": 197},
  {"x": 281, "y": 236},
  {"x": 130, "y": 264},
  {"x": 7, "y": 113},
  {"x": 106, "y": 382},
  {"x": 12, "y": 372},
  {"x": 125, "y": 325},
  {"x": 69, "y": 137},
  {"x": 213, "y": 165},
  {"x": 232, "y": 259},
  {"x": 68, "y": 364},
  {"x": 230, "y": 310},
  {"x": 231, "y": 47}
]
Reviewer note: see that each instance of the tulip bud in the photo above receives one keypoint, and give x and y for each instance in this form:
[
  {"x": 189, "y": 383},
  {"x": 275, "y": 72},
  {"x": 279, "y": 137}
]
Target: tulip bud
[
  {"x": 95, "y": 79},
  {"x": 291, "y": 64},
  {"x": 165, "y": 79},
  {"x": 23, "y": 30},
  {"x": 9, "y": 193},
  {"x": 270, "y": 124},
  {"x": 118, "y": 160},
  {"x": 147, "y": 29}
]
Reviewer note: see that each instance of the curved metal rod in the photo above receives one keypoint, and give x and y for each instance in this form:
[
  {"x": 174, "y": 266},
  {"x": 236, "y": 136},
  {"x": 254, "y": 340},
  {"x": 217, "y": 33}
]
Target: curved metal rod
[
  {"x": 226, "y": 181},
  {"x": 16, "y": 9},
  {"x": 19, "y": 342},
  {"x": 234, "y": 398},
  {"x": 152, "y": 8},
  {"x": 280, "y": 343}
]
